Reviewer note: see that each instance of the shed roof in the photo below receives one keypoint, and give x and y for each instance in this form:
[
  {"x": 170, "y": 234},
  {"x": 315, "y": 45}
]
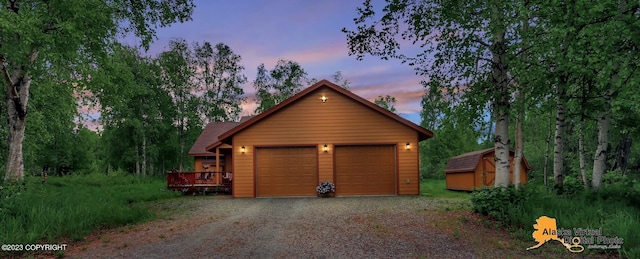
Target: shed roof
[
  {"x": 469, "y": 161},
  {"x": 225, "y": 137},
  {"x": 210, "y": 135}
]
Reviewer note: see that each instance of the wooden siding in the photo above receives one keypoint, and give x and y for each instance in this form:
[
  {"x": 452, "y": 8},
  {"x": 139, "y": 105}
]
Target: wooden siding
[
  {"x": 482, "y": 175},
  {"x": 199, "y": 161},
  {"x": 339, "y": 121},
  {"x": 460, "y": 181},
  {"x": 325, "y": 163}
]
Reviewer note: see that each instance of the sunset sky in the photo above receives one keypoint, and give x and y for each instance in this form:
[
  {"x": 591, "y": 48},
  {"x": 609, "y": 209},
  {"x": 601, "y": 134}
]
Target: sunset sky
[{"x": 308, "y": 32}]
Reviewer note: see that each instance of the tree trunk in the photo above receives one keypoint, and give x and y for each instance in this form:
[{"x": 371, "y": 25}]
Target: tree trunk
[
  {"x": 626, "y": 153},
  {"x": 500, "y": 82},
  {"x": 517, "y": 158},
  {"x": 583, "y": 170},
  {"x": 520, "y": 102},
  {"x": 600, "y": 159},
  {"x": 558, "y": 144},
  {"x": 15, "y": 163},
  {"x": 181, "y": 142},
  {"x": 502, "y": 149},
  {"x": 16, "y": 100},
  {"x": 151, "y": 167},
  {"x": 546, "y": 153},
  {"x": 137, "y": 169},
  {"x": 144, "y": 155}
]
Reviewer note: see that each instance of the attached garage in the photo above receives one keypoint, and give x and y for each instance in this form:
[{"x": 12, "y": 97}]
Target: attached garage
[
  {"x": 365, "y": 170},
  {"x": 324, "y": 133},
  {"x": 286, "y": 171}
]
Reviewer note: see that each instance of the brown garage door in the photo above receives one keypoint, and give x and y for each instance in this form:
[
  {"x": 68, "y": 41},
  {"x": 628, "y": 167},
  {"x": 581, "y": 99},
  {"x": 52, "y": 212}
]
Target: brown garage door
[
  {"x": 365, "y": 170},
  {"x": 286, "y": 171}
]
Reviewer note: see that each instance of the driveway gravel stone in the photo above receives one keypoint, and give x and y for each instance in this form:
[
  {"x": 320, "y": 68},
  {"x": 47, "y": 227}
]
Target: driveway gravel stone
[{"x": 342, "y": 227}]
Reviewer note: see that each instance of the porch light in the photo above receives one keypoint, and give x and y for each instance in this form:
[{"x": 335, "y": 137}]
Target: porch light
[
  {"x": 242, "y": 149},
  {"x": 324, "y": 99},
  {"x": 325, "y": 148},
  {"x": 408, "y": 146}
]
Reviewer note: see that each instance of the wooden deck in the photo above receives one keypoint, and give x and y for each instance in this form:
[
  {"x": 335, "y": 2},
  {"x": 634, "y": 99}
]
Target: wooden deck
[{"x": 200, "y": 181}]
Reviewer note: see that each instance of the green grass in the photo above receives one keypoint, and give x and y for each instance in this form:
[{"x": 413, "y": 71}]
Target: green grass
[
  {"x": 518, "y": 211},
  {"x": 437, "y": 188},
  {"x": 71, "y": 207}
]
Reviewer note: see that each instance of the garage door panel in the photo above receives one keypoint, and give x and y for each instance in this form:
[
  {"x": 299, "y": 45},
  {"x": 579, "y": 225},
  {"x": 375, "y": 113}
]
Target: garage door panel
[
  {"x": 286, "y": 171},
  {"x": 365, "y": 170}
]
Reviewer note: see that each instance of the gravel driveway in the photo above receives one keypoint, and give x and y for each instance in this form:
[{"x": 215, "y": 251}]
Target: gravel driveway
[{"x": 359, "y": 227}]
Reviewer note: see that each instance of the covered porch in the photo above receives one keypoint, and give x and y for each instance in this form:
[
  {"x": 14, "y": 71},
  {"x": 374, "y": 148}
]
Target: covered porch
[{"x": 211, "y": 174}]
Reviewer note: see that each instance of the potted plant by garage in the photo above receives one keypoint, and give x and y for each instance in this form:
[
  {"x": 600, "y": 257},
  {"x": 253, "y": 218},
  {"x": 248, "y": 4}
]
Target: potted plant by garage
[{"x": 326, "y": 189}]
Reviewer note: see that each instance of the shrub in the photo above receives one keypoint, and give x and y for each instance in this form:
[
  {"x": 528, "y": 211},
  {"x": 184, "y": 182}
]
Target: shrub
[
  {"x": 614, "y": 208},
  {"x": 498, "y": 203},
  {"x": 572, "y": 185}
]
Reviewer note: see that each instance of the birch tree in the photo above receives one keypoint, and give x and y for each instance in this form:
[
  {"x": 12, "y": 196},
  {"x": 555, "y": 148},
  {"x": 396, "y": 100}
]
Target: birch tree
[
  {"x": 464, "y": 43},
  {"x": 58, "y": 35},
  {"x": 178, "y": 78}
]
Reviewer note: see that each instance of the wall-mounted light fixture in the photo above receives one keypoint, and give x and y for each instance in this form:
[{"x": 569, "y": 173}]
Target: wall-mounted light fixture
[
  {"x": 242, "y": 149},
  {"x": 408, "y": 146},
  {"x": 325, "y": 148},
  {"x": 324, "y": 99}
]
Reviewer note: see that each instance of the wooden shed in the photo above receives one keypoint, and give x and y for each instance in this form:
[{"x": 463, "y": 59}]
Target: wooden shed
[
  {"x": 477, "y": 169},
  {"x": 324, "y": 133}
]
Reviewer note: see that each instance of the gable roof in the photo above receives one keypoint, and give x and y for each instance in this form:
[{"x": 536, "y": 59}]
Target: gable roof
[
  {"x": 210, "y": 134},
  {"x": 469, "y": 161},
  {"x": 225, "y": 137}
]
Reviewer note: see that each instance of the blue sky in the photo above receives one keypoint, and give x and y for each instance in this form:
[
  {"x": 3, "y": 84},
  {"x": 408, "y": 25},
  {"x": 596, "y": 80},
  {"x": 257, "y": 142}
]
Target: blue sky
[{"x": 308, "y": 32}]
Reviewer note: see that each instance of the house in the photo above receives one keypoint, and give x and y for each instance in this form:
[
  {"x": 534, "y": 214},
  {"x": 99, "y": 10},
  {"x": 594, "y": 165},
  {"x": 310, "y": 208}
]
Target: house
[
  {"x": 477, "y": 169},
  {"x": 323, "y": 133},
  {"x": 204, "y": 160}
]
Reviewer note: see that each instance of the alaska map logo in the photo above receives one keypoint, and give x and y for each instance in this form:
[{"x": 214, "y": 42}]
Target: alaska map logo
[{"x": 573, "y": 239}]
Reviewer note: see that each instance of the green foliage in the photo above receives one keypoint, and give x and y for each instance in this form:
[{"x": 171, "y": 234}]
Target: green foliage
[
  {"x": 220, "y": 82},
  {"x": 42, "y": 40},
  {"x": 499, "y": 203},
  {"x": 272, "y": 87},
  {"x": 456, "y": 131},
  {"x": 545, "y": 46},
  {"x": 388, "y": 102},
  {"x": 74, "y": 206},
  {"x": 608, "y": 209},
  {"x": 619, "y": 188},
  {"x": 572, "y": 185}
]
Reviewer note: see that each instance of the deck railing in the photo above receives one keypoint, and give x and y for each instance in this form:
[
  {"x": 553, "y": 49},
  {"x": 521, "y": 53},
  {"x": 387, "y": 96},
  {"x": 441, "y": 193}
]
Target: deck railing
[{"x": 199, "y": 180}]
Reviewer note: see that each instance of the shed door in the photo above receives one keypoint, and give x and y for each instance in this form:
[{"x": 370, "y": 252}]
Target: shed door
[
  {"x": 365, "y": 170},
  {"x": 286, "y": 171}
]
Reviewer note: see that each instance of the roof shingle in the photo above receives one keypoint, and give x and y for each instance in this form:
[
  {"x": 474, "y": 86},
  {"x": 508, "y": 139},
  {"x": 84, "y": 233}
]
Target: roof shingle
[
  {"x": 469, "y": 161},
  {"x": 466, "y": 161},
  {"x": 210, "y": 135}
]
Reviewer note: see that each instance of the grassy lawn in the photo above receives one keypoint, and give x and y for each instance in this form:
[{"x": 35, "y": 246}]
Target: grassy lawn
[
  {"x": 71, "y": 207},
  {"x": 436, "y": 188}
]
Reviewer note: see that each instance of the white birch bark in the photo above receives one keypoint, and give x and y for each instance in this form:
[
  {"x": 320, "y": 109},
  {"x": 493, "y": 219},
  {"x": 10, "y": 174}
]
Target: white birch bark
[
  {"x": 17, "y": 98},
  {"x": 583, "y": 170},
  {"x": 600, "y": 159},
  {"x": 558, "y": 144}
]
